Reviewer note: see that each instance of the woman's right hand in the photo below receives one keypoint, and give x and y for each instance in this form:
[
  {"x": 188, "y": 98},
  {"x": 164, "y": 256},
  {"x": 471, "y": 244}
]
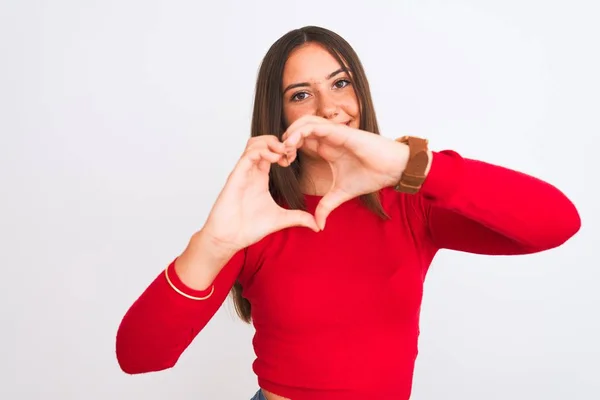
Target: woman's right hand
[
  {"x": 242, "y": 215},
  {"x": 244, "y": 211}
]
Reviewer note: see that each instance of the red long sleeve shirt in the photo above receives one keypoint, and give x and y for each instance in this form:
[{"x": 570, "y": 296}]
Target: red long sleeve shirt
[{"x": 336, "y": 313}]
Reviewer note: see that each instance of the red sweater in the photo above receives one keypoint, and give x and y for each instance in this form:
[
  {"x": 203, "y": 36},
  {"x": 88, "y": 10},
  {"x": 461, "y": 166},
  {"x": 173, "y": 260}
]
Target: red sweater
[{"x": 337, "y": 312}]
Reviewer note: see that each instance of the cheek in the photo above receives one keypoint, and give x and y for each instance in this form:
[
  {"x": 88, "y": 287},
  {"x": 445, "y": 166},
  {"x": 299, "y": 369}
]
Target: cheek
[
  {"x": 351, "y": 106},
  {"x": 292, "y": 113}
]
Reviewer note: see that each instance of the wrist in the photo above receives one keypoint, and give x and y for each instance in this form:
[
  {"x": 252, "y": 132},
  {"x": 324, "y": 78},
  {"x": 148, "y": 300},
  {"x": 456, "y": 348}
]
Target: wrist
[
  {"x": 412, "y": 163},
  {"x": 205, "y": 242},
  {"x": 401, "y": 155},
  {"x": 201, "y": 261}
]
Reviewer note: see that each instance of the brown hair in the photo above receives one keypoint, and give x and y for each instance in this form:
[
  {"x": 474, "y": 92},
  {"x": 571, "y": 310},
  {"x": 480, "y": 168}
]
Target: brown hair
[{"x": 267, "y": 118}]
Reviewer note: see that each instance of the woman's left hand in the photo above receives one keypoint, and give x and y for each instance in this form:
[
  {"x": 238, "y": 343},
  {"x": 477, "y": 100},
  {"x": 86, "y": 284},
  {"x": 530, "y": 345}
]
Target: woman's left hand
[{"x": 361, "y": 162}]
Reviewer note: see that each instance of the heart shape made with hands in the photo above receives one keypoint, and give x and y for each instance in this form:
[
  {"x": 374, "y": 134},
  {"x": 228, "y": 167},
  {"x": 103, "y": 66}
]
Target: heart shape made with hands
[{"x": 361, "y": 162}]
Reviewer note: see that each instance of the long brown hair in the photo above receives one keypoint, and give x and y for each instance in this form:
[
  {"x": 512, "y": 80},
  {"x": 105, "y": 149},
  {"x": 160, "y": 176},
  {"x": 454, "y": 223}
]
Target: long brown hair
[{"x": 267, "y": 118}]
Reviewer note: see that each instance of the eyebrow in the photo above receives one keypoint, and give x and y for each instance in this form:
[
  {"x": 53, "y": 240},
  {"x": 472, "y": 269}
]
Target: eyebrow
[{"x": 303, "y": 84}]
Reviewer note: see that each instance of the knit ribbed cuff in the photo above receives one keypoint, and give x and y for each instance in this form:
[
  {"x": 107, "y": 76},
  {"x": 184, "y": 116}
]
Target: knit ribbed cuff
[
  {"x": 176, "y": 281},
  {"x": 445, "y": 176}
]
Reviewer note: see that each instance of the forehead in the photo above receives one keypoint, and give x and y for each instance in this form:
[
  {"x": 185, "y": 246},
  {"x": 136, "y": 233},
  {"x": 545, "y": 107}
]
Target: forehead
[{"x": 309, "y": 63}]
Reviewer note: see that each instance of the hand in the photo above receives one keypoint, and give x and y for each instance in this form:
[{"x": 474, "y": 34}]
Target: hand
[
  {"x": 244, "y": 211},
  {"x": 361, "y": 162}
]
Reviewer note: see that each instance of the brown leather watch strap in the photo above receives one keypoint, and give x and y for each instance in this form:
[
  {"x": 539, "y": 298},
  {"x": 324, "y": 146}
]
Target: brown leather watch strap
[{"x": 414, "y": 173}]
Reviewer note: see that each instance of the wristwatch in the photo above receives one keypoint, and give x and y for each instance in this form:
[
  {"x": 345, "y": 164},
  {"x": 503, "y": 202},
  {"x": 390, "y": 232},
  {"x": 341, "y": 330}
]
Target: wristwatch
[{"x": 418, "y": 159}]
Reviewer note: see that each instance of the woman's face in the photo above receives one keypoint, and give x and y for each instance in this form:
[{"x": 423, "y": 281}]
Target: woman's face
[{"x": 314, "y": 84}]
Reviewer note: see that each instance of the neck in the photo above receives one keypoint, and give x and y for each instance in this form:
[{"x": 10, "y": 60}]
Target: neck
[{"x": 316, "y": 177}]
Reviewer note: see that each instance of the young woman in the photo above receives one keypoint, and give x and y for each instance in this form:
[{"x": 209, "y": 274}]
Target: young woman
[{"x": 324, "y": 232}]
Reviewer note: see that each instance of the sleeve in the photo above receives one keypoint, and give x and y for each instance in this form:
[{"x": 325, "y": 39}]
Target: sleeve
[
  {"x": 162, "y": 323},
  {"x": 476, "y": 207}
]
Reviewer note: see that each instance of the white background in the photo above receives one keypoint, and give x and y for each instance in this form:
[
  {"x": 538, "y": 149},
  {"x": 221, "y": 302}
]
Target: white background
[{"x": 120, "y": 120}]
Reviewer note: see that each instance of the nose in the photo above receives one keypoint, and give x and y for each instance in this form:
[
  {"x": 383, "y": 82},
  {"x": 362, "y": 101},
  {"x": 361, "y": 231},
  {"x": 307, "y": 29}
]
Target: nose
[{"x": 327, "y": 106}]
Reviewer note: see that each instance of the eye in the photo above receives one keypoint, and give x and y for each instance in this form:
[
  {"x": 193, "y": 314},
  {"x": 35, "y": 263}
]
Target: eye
[
  {"x": 299, "y": 96},
  {"x": 342, "y": 83}
]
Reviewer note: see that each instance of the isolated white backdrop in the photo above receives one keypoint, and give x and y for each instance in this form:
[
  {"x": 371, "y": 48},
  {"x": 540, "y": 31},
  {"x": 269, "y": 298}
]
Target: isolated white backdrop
[{"x": 120, "y": 121}]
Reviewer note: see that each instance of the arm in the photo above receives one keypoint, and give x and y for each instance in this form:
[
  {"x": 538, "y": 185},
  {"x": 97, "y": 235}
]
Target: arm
[
  {"x": 161, "y": 323},
  {"x": 481, "y": 208}
]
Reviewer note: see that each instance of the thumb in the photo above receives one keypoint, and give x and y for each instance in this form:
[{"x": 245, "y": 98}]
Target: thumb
[
  {"x": 289, "y": 218},
  {"x": 328, "y": 203}
]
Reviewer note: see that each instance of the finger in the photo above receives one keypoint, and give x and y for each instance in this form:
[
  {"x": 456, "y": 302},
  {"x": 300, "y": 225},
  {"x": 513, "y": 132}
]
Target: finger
[
  {"x": 273, "y": 152},
  {"x": 291, "y": 149},
  {"x": 327, "y": 204},
  {"x": 266, "y": 141},
  {"x": 291, "y": 155},
  {"x": 290, "y": 218},
  {"x": 336, "y": 134},
  {"x": 295, "y": 139},
  {"x": 261, "y": 158},
  {"x": 295, "y": 125},
  {"x": 257, "y": 155},
  {"x": 307, "y": 119},
  {"x": 275, "y": 145},
  {"x": 279, "y": 148},
  {"x": 283, "y": 161}
]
